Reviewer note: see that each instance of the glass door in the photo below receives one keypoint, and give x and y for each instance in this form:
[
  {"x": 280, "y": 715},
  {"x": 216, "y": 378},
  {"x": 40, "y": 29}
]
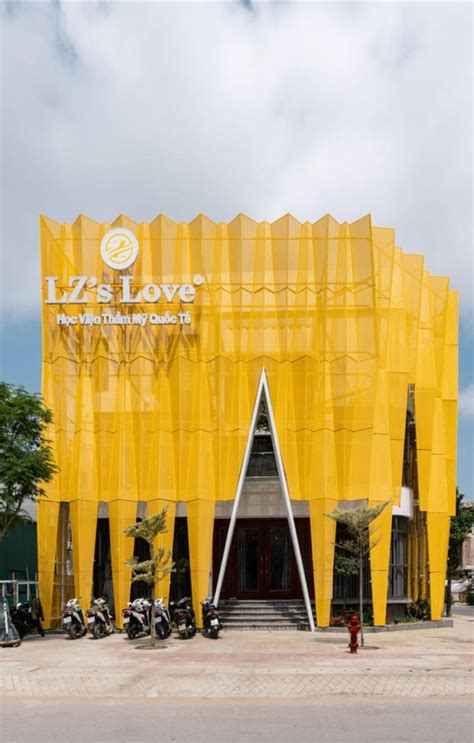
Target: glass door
[
  {"x": 279, "y": 554},
  {"x": 249, "y": 558},
  {"x": 261, "y": 561}
]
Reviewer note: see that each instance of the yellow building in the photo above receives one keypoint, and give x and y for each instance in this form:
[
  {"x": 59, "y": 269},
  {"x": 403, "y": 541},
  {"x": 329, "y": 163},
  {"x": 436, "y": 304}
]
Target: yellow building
[{"x": 160, "y": 341}]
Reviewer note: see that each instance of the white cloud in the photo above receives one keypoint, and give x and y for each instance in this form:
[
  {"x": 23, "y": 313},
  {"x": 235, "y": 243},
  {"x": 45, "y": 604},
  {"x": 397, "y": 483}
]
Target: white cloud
[
  {"x": 466, "y": 402},
  {"x": 178, "y": 108}
]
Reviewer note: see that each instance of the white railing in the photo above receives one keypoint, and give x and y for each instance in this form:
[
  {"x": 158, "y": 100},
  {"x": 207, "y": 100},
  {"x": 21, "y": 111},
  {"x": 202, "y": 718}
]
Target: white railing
[{"x": 16, "y": 588}]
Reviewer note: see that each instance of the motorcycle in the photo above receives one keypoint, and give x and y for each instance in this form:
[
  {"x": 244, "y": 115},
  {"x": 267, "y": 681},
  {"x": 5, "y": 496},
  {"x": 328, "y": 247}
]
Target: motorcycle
[
  {"x": 136, "y": 619},
  {"x": 211, "y": 622},
  {"x": 9, "y": 636},
  {"x": 162, "y": 619},
  {"x": 184, "y": 618},
  {"x": 99, "y": 621},
  {"x": 73, "y": 619},
  {"x": 24, "y": 621}
]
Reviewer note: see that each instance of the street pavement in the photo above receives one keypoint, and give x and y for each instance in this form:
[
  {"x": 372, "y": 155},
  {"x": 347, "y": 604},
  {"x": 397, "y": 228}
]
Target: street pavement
[{"x": 414, "y": 685}]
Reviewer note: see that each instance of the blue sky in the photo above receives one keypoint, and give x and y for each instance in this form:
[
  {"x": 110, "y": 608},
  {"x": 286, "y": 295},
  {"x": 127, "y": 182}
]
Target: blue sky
[{"x": 141, "y": 108}]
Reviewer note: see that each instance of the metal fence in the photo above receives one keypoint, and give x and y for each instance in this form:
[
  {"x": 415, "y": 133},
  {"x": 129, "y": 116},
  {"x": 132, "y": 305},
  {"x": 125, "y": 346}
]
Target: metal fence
[{"x": 18, "y": 590}]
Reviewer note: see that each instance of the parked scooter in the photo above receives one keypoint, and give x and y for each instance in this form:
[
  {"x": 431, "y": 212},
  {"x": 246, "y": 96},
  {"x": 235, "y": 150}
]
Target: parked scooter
[
  {"x": 182, "y": 614},
  {"x": 73, "y": 619},
  {"x": 27, "y": 617},
  {"x": 211, "y": 622},
  {"x": 9, "y": 636},
  {"x": 162, "y": 619},
  {"x": 99, "y": 622},
  {"x": 136, "y": 619}
]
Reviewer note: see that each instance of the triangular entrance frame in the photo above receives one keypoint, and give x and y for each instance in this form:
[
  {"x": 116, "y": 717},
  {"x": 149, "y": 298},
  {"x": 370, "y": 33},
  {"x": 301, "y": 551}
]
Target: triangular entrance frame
[{"x": 263, "y": 390}]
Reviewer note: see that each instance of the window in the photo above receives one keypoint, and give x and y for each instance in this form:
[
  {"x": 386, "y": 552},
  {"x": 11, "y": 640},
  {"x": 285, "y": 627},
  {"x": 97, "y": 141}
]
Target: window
[
  {"x": 398, "y": 558},
  {"x": 262, "y": 457}
]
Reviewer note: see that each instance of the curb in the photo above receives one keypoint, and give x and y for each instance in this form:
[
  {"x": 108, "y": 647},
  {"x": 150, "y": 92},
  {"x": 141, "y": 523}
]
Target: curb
[{"x": 402, "y": 627}]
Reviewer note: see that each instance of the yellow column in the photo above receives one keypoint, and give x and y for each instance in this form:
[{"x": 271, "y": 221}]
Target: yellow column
[
  {"x": 200, "y": 532},
  {"x": 164, "y": 541},
  {"x": 47, "y": 514},
  {"x": 323, "y": 536},
  {"x": 122, "y": 513},
  {"x": 83, "y": 514},
  {"x": 437, "y": 527},
  {"x": 379, "y": 562}
]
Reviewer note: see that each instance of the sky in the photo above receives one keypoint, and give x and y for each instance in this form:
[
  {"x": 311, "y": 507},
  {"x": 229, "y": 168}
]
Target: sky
[{"x": 222, "y": 108}]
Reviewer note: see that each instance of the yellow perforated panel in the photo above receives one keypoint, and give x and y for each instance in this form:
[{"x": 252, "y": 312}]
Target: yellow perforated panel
[{"x": 341, "y": 319}]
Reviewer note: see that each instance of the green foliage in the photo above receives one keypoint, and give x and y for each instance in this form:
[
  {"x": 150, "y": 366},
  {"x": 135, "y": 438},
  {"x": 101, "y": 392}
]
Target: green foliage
[
  {"x": 357, "y": 521},
  {"x": 153, "y": 570},
  {"x": 419, "y": 610},
  {"x": 470, "y": 595},
  {"x": 461, "y": 526},
  {"x": 362, "y": 537},
  {"x": 345, "y": 564},
  {"x": 26, "y": 457},
  {"x": 149, "y": 528}
]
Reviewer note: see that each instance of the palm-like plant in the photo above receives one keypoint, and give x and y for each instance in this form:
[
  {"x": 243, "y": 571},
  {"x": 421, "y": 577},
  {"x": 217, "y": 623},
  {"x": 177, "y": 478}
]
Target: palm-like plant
[
  {"x": 362, "y": 537},
  {"x": 159, "y": 564}
]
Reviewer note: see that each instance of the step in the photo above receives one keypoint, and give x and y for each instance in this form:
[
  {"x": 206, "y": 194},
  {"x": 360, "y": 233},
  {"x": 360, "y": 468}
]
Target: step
[
  {"x": 273, "y": 628},
  {"x": 253, "y": 602},
  {"x": 263, "y": 616},
  {"x": 264, "y": 610}
]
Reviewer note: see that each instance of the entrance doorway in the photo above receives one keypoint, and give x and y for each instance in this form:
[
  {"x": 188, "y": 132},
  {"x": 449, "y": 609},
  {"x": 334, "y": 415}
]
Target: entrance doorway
[{"x": 262, "y": 562}]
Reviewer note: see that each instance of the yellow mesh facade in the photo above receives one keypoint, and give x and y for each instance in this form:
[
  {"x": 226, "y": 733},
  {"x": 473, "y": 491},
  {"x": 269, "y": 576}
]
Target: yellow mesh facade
[{"x": 341, "y": 319}]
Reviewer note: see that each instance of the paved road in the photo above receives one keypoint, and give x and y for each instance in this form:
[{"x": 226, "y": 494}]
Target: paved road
[
  {"x": 324, "y": 720},
  {"x": 247, "y": 686},
  {"x": 463, "y": 610}
]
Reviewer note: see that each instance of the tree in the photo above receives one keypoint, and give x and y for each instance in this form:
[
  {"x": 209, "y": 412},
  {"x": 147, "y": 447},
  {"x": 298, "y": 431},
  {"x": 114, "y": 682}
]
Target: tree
[
  {"x": 361, "y": 539},
  {"x": 26, "y": 456},
  {"x": 461, "y": 526},
  {"x": 153, "y": 570}
]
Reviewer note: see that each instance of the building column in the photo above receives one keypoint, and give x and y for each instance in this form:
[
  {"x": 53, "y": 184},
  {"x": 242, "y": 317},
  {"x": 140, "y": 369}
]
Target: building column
[
  {"x": 83, "y": 515},
  {"x": 47, "y": 514},
  {"x": 379, "y": 562},
  {"x": 437, "y": 527},
  {"x": 165, "y": 540},
  {"x": 122, "y": 513},
  {"x": 323, "y": 537},
  {"x": 200, "y": 535}
]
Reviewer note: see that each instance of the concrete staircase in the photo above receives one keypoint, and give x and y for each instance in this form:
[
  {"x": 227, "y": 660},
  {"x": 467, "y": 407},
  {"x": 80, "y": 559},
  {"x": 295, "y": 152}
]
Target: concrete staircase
[{"x": 264, "y": 615}]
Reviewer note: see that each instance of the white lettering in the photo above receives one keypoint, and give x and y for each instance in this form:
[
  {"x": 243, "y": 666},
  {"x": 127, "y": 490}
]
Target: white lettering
[
  {"x": 187, "y": 293},
  {"x": 104, "y": 293},
  {"x": 66, "y": 320},
  {"x": 139, "y": 318},
  {"x": 126, "y": 293},
  {"x": 52, "y": 297},
  {"x": 151, "y": 293},
  {"x": 169, "y": 290},
  {"x": 77, "y": 284}
]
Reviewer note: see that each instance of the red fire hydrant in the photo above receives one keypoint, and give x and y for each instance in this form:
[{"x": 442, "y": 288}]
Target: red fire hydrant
[{"x": 354, "y": 629}]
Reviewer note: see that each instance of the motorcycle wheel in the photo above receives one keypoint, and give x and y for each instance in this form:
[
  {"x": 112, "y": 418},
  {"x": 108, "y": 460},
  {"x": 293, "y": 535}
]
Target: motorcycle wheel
[
  {"x": 131, "y": 632},
  {"x": 214, "y": 634},
  {"x": 97, "y": 631},
  {"x": 73, "y": 631}
]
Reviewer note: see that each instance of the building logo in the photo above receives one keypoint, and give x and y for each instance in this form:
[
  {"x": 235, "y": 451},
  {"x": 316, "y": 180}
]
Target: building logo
[{"x": 119, "y": 248}]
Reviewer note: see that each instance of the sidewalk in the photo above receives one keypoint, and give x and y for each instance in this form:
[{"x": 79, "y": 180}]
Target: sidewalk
[{"x": 431, "y": 662}]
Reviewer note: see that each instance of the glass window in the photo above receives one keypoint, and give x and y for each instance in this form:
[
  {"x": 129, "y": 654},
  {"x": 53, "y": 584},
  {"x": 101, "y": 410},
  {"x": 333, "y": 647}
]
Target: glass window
[{"x": 398, "y": 558}]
